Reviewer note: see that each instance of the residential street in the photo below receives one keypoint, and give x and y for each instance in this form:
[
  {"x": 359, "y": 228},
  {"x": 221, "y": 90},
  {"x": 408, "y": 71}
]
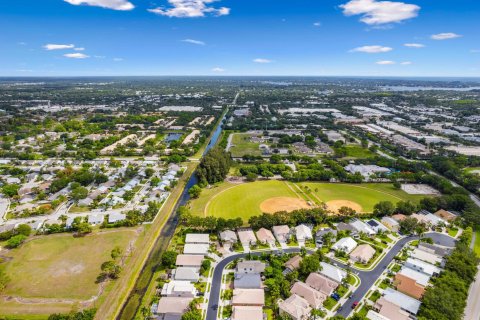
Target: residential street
[{"x": 368, "y": 278}]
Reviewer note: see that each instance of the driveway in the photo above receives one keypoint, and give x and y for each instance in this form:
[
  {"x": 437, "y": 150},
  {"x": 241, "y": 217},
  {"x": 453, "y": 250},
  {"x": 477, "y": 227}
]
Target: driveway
[{"x": 367, "y": 278}]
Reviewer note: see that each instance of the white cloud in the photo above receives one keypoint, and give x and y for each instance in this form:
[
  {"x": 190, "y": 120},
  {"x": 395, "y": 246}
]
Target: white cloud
[
  {"x": 51, "y": 46},
  {"x": 380, "y": 12},
  {"x": 193, "y": 41},
  {"x": 77, "y": 55},
  {"x": 372, "y": 49},
  {"x": 261, "y": 60},
  {"x": 406, "y": 63},
  {"x": 414, "y": 45},
  {"x": 122, "y": 5},
  {"x": 385, "y": 62},
  {"x": 117, "y": 59},
  {"x": 79, "y": 49},
  {"x": 317, "y": 24},
  {"x": 445, "y": 36},
  {"x": 190, "y": 9},
  {"x": 218, "y": 69}
]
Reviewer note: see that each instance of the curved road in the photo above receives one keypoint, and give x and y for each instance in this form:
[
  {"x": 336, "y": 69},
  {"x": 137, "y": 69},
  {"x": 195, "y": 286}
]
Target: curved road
[{"x": 368, "y": 278}]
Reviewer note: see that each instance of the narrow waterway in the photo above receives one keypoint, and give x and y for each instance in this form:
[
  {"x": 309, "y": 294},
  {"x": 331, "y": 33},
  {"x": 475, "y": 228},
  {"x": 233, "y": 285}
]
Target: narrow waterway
[{"x": 130, "y": 308}]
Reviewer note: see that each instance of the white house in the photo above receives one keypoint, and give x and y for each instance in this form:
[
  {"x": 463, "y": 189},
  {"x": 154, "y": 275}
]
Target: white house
[
  {"x": 345, "y": 244},
  {"x": 302, "y": 232}
]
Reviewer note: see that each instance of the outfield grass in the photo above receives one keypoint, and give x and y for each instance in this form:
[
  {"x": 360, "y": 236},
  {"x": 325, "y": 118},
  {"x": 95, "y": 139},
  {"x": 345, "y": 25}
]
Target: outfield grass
[
  {"x": 241, "y": 145},
  {"x": 230, "y": 200},
  {"x": 61, "y": 266},
  {"x": 243, "y": 200},
  {"x": 197, "y": 206},
  {"x": 366, "y": 194}
]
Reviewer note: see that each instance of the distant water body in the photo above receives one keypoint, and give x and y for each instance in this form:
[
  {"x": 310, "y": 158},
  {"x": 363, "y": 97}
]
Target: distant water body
[{"x": 405, "y": 88}]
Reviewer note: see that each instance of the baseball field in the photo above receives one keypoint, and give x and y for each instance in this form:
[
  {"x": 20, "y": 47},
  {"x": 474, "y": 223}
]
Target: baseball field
[{"x": 244, "y": 200}]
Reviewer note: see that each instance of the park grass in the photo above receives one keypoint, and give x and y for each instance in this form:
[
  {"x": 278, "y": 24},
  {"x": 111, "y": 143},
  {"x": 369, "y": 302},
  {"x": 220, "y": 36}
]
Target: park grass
[
  {"x": 241, "y": 145},
  {"x": 241, "y": 200},
  {"x": 230, "y": 200},
  {"x": 197, "y": 206},
  {"x": 61, "y": 266},
  {"x": 476, "y": 247},
  {"x": 366, "y": 194}
]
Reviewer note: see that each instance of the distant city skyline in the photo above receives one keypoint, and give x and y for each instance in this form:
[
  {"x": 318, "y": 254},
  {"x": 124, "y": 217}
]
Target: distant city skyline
[{"x": 411, "y": 38}]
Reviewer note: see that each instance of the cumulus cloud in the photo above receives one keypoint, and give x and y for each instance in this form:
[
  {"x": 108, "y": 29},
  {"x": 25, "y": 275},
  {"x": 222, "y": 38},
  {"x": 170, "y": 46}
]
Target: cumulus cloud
[
  {"x": 372, "y": 49},
  {"x": 122, "y": 5},
  {"x": 190, "y": 9},
  {"x": 406, "y": 63},
  {"x": 445, "y": 36},
  {"x": 385, "y": 62},
  {"x": 52, "y": 46},
  {"x": 76, "y": 55},
  {"x": 380, "y": 12},
  {"x": 414, "y": 45},
  {"x": 218, "y": 69},
  {"x": 262, "y": 60},
  {"x": 193, "y": 41}
]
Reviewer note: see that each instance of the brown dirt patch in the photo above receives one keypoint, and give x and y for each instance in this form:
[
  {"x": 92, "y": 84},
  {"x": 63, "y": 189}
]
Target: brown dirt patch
[
  {"x": 277, "y": 204},
  {"x": 334, "y": 205}
]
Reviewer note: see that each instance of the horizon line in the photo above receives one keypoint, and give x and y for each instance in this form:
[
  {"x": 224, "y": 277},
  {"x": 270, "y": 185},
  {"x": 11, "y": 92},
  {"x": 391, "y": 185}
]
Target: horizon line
[{"x": 241, "y": 76}]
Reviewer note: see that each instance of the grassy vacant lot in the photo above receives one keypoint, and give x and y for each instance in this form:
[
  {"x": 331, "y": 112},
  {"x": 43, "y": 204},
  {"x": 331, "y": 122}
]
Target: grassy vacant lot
[
  {"x": 60, "y": 267},
  {"x": 476, "y": 247},
  {"x": 365, "y": 194},
  {"x": 243, "y": 200},
  {"x": 355, "y": 151},
  {"x": 241, "y": 145}
]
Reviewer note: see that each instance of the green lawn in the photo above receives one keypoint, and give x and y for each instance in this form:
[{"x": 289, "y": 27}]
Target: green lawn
[
  {"x": 61, "y": 266},
  {"x": 197, "y": 206},
  {"x": 374, "y": 296},
  {"x": 230, "y": 200},
  {"x": 452, "y": 232},
  {"x": 329, "y": 303},
  {"x": 365, "y": 194},
  {"x": 476, "y": 248},
  {"x": 356, "y": 151},
  {"x": 241, "y": 200},
  {"x": 363, "y": 312},
  {"x": 241, "y": 145}
]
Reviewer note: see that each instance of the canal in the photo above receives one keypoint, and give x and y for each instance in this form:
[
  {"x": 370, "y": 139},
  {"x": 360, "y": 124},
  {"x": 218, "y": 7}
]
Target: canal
[{"x": 131, "y": 307}]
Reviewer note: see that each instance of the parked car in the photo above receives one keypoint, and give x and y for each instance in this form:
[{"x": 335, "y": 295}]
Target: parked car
[
  {"x": 355, "y": 304},
  {"x": 335, "y": 296}
]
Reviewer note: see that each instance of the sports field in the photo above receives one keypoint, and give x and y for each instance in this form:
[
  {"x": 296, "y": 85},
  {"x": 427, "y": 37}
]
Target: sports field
[
  {"x": 229, "y": 200},
  {"x": 53, "y": 273},
  {"x": 364, "y": 195}
]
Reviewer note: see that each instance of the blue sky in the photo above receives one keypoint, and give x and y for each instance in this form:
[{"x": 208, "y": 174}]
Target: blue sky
[{"x": 240, "y": 37}]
